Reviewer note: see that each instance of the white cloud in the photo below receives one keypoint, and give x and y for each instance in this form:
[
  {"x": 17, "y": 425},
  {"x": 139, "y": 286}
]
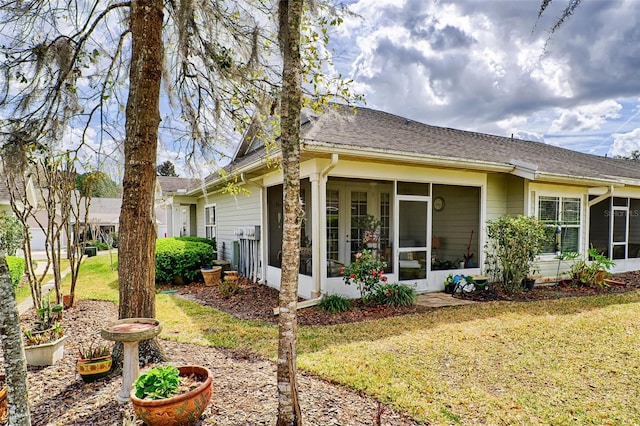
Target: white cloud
[
  {"x": 586, "y": 117},
  {"x": 491, "y": 67},
  {"x": 625, "y": 143}
]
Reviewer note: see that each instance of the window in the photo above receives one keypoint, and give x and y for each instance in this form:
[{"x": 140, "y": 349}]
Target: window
[
  {"x": 562, "y": 216},
  {"x": 210, "y": 221}
]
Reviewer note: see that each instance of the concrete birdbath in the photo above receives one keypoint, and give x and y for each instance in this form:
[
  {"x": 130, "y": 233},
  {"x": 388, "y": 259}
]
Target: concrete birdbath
[{"x": 130, "y": 331}]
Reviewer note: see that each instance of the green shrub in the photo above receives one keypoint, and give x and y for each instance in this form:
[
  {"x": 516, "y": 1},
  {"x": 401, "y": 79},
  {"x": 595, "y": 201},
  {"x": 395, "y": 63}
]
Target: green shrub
[
  {"x": 395, "y": 295},
  {"x": 591, "y": 273},
  {"x": 229, "y": 288},
  {"x": 158, "y": 383},
  {"x": 210, "y": 241},
  {"x": 180, "y": 257},
  {"x": 11, "y": 233},
  {"x": 512, "y": 246},
  {"x": 16, "y": 269},
  {"x": 334, "y": 303},
  {"x": 99, "y": 245}
]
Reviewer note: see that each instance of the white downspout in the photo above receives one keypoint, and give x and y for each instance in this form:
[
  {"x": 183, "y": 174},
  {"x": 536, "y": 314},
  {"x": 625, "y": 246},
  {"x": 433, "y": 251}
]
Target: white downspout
[{"x": 319, "y": 249}]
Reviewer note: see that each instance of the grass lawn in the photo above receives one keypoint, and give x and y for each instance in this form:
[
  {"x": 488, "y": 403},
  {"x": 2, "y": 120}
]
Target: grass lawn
[{"x": 566, "y": 361}]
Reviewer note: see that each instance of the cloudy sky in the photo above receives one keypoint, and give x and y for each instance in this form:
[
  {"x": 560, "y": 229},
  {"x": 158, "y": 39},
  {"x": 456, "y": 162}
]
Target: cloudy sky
[{"x": 490, "y": 66}]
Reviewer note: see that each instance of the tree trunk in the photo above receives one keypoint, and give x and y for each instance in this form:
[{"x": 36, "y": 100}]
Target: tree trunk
[
  {"x": 14, "y": 363},
  {"x": 290, "y": 14},
  {"x": 136, "y": 251}
]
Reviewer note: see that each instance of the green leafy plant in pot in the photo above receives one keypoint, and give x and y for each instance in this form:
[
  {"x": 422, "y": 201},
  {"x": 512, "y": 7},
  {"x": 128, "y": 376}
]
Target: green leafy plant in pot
[
  {"x": 44, "y": 342},
  {"x": 172, "y": 396},
  {"x": 94, "y": 362}
]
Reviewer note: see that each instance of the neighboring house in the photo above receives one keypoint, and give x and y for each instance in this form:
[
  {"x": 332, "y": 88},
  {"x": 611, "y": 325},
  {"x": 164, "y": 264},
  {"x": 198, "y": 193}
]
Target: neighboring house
[
  {"x": 5, "y": 202},
  {"x": 175, "y": 210},
  {"x": 103, "y": 219},
  {"x": 432, "y": 188}
]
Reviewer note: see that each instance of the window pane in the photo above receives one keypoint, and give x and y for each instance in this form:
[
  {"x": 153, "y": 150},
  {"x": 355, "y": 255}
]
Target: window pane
[
  {"x": 413, "y": 265},
  {"x": 548, "y": 209},
  {"x": 618, "y": 201},
  {"x": 569, "y": 239},
  {"x": 550, "y": 245},
  {"x": 413, "y": 224},
  {"x": 571, "y": 211},
  {"x": 619, "y": 226},
  {"x": 634, "y": 229},
  {"x": 332, "y": 232},
  {"x": 619, "y": 252},
  {"x": 358, "y": 215},
  {"x": 386, "y": 251},
  {"x": 412, "y": 188}
]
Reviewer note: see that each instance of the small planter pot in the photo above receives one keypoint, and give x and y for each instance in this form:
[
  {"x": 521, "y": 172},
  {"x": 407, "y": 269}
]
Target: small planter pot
[
  {"x": 95, "y": 368},
  {"x": 46, "y": 353},
  {"x": 183, "y": 409},
  {"x": 528, "y": 284},
  {"x": 211, "y": 275},
  {"x": 231, "y": 276},
  {"x": 4, "y": 405}
]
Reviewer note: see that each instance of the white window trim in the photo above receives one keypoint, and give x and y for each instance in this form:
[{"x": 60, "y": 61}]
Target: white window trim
[
  {"x": 561, "y": 196},
  {"x": 213, "y": 226}
]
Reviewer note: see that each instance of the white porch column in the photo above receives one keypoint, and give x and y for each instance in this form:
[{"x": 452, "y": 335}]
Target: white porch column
[{"x": 316, "y": 232}]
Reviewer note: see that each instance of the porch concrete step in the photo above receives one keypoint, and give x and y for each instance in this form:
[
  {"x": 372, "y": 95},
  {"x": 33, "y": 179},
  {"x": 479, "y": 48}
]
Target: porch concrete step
[{"x": 440, "y": 299}]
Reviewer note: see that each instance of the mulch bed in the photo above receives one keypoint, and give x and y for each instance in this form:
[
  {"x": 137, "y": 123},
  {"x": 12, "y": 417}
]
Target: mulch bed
[
  {"x": 256, "y": 301},
  {"x": 618, "y": 283}
]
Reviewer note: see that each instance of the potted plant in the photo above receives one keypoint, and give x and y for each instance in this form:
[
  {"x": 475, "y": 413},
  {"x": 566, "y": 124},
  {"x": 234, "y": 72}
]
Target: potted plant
[
  {"x": 449, "y": 284},
  {"x": 370, "y": 228},
  {"x": 171, "y": 396},
  {"x": 592, "y": 270},
  {"x": 94, "y": 362},
  {"x": 44, "y": 342},
  {"x": 513, "y": 242},
  {"x": 4, "y": 412},
  {"x": 211, "y": 275},
  {"x": 529, "y": 281}
]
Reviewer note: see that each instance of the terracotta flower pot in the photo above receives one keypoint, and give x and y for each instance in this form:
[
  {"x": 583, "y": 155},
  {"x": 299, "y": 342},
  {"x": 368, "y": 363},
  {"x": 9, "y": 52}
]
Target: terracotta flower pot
[
  {"x": 211, "y": 275},
  {"x": 183, "y": 409},
  {"x": 4, "y": 413},
  {"x": 95, "y": 368}
]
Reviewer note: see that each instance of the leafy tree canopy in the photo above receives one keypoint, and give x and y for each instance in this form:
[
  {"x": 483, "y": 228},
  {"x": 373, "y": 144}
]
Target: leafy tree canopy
[
  {"x": 167, "y": 169},
  {"x": 11, "y": 234},
  {"x": 97, "y": 184}
]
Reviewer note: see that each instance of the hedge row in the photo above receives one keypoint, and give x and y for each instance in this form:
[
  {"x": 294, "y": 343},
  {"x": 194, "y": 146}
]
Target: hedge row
[
  {"x": 183, "y": 257},
  {"x": 210, "y": 241},
  {"x": 16, "y": 269}
]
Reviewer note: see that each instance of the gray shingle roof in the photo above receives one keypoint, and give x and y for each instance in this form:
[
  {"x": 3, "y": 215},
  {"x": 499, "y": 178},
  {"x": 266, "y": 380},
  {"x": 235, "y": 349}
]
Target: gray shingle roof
[
  {"x": 369, "y": 131},
  {"x": 172, "y": 185},
  {"x": 377, "y": 130}
]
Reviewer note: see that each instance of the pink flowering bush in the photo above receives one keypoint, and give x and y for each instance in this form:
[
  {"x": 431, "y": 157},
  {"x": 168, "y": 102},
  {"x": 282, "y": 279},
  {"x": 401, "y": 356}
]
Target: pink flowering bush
[{"x": 366, "y": 271}]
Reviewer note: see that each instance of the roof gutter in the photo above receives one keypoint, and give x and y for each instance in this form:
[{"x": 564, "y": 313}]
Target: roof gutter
[
  {"x": 602, "y": 197},
  {"x": 430, "y": 159},
  {"x": 579, "y": 180},
  {"x": 240, "y": 171}
]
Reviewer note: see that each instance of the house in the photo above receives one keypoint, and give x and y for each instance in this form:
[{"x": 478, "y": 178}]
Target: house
[
  {"x": 433, "y": 189},
  {"x": 175, "y": 210},
  {"x": 5, "y": 200}
]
